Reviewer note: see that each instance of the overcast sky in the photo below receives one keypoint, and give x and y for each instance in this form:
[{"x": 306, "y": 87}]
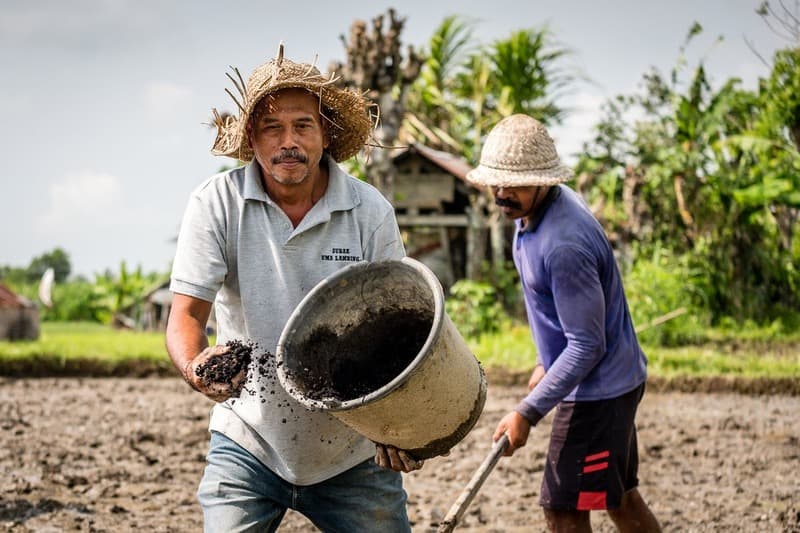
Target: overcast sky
[{"x": 104, "y": 101}]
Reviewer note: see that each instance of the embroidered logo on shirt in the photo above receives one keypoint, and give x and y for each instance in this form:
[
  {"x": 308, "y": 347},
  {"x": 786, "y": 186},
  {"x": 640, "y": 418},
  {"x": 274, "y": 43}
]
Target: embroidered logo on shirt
[{"x": 340, "y": 254}]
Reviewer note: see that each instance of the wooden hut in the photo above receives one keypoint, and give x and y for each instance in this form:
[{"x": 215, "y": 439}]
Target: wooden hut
[{"x": 439, "y": 212}]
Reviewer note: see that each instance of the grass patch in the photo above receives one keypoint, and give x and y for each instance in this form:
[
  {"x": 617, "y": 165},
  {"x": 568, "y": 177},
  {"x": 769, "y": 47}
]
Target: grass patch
[
  {"x": 69, "y": 340},
  {"x": 85, "y": 349},
  {"x": 89, "y": 349},
  {"x": 727, "y": 355},
  {"x": 710, "y": 361},
  {"x": 510, "y": 349}
]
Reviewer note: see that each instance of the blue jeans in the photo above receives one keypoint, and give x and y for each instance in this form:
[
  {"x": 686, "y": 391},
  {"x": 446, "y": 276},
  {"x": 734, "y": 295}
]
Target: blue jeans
[{"x": 238, "y": 493}]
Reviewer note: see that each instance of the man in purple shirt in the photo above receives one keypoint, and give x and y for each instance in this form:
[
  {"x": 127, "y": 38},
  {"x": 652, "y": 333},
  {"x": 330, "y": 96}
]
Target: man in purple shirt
[{"x": 590, "y": 366}]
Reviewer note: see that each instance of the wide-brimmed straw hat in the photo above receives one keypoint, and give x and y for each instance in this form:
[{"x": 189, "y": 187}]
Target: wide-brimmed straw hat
[
  {"x": 347, "y": 112},
  {"x": 519, "y": 152}
]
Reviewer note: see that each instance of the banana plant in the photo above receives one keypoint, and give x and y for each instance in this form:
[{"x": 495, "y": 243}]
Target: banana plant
[{"x": 116, "y": 293}]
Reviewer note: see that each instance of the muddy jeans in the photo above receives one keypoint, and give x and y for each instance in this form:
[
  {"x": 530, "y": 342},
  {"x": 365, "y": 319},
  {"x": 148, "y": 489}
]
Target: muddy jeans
[{"x": 238, "y": 493}]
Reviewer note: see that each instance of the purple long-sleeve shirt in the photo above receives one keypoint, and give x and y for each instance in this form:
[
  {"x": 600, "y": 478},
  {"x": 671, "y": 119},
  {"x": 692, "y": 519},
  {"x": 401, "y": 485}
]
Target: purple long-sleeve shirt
[{"x": 576, "y": 307}]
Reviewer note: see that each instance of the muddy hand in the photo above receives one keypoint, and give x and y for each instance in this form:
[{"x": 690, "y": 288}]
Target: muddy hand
[
  {"x": 394, "y": 459},
  {"x": 218, "y": 391}
]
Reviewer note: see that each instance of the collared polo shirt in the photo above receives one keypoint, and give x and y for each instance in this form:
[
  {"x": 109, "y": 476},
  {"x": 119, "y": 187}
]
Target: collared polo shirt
[{"x": 237, "y": 248}]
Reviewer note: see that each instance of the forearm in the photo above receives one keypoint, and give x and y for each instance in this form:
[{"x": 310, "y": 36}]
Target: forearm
[
  {"x": 186, "y": 331},
  {"x": 570, "y": 368},
  {"x": 185, "y": 339}
]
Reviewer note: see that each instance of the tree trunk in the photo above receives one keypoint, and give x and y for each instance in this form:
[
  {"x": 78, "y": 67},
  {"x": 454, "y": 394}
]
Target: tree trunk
[
  {"x": 497, "y": 238},
  {"x": 476, "y": 236},
  {"x": 686, "y": 216}
]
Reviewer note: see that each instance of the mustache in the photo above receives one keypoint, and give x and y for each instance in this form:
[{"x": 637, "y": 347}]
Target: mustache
[
  {"x": 503, "y": 202},
  {"x": 290, "y": 154}
]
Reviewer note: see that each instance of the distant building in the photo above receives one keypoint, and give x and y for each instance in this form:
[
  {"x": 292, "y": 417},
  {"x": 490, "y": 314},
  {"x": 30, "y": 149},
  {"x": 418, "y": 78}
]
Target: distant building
[
  {"x": 152, "y": 311},
  {"x": 19, "y": 317},
  {"x": 441, "y": 215}
]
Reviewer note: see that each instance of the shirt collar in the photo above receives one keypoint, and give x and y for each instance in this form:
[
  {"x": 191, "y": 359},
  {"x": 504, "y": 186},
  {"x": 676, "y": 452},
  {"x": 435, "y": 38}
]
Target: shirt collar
[
  {"x": 532, "y": 222},
  {"x": 340, "y": 194}
]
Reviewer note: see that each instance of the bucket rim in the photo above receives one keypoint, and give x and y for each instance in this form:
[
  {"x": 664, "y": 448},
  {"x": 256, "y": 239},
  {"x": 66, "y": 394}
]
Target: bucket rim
[{"x": 288, "y": 384}]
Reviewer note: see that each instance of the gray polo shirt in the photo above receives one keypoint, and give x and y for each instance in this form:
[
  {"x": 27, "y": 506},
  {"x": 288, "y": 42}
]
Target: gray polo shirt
[{"x": 236, "y": 247}]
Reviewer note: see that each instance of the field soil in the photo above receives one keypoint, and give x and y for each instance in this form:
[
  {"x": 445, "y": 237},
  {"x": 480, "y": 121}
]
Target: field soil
[{"x": 126, "y": 454}]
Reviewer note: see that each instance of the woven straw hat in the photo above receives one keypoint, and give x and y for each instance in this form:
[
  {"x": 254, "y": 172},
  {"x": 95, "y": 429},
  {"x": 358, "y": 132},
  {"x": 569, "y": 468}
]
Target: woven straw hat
[
  {"x": 519, "y": 152},
  {"x": 347, "y": 112}
]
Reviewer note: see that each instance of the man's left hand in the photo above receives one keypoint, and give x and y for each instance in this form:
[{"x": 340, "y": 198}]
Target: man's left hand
[{"x": 394, "y": 459}]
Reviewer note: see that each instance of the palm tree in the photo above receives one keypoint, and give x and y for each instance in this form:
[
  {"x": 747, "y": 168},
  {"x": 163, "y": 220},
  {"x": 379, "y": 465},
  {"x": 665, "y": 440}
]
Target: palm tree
[
  {"x": 464, "y": 89},
  {"x": 433, "y": 116}
]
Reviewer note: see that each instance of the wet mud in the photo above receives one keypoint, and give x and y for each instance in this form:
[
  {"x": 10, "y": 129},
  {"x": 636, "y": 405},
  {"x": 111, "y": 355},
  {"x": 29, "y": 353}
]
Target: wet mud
[
  {"x": 359, "y": 360},
  {"x": 225, "y": 367},
  {"x": 124, "y": 454}
]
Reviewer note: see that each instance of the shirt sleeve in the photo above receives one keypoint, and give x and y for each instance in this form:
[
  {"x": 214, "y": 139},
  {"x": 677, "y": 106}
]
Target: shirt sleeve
[
  {"x": 580, "y": 307},
  {"x": 199, "y": 267},
  {"x": 385, "y": 242}
]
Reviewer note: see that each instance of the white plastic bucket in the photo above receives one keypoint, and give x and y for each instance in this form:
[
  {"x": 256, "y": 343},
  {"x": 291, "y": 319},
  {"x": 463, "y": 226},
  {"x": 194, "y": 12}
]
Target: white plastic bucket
[{"x": 373, "y": 345}]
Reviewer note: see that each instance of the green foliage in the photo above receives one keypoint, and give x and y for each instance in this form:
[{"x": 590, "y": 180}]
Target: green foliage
[
  {"x": 526, "y": 77},
  {"x": 711, "y": 176},
  {"x": 114, "y": 293},
  {"x": 474, "y": 308},
  {"x": 504, "y": 278},
  {"x": 448, "y": 48},
  {"x": 14, "y": 277},
  {"x": 57, "y": 259},
  {"x": 780, "y": 97},
  {"x": 512, "y": 348},
  {"x": 660, "y": 285},
  {"x": 76, "y": 300},
  {"x": 80, "y": 300},
  {"x": 72, "y": 301},
  {"x": 465, "y": 88},
  {"x": 355, "y": 167}
]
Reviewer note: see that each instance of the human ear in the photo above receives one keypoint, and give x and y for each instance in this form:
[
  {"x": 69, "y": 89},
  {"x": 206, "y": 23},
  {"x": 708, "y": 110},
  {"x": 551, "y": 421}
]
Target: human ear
[{"x": 326, "y": 137}]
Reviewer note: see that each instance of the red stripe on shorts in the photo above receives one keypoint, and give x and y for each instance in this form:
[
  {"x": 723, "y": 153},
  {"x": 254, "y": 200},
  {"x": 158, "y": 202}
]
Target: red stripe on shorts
[
  {"x": 591, "y": 501},
  {"x": 595, "y": 467},
  {"x": 596, "y": 456}
]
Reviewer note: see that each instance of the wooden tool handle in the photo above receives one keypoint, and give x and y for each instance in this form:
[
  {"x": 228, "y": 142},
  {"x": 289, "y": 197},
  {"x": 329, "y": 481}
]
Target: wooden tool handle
[{"x": 457, "y": 510}]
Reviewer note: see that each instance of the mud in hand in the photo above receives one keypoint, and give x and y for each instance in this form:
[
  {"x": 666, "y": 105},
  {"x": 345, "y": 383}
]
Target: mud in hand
[{"x": 227, "y": 368}]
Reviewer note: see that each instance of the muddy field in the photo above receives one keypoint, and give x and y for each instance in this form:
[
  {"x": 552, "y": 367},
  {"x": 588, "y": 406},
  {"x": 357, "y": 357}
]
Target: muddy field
[{"x": 126, "y": 454}]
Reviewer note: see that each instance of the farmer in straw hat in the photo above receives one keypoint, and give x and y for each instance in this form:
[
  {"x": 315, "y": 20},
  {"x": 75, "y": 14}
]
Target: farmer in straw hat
[
  {"x": 256, "y": 239},
  {"x": 589, "y": 363}
]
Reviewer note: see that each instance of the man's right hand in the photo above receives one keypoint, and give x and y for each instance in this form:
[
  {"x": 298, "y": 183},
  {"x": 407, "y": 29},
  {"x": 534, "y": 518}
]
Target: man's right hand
[
  {"x": 517, "y": 428},
  {"x": 398, "y": 460},
  {"x": 217, "y": 391}
]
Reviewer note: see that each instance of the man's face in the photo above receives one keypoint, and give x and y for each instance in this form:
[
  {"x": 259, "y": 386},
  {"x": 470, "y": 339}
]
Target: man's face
[
  {"x": 288, "y": 136},
  {"x": 515, "y": 202}
]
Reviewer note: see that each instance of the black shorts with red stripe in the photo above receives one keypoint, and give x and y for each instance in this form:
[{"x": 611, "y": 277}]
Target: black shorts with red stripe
[{"x": 593, "y": 458}]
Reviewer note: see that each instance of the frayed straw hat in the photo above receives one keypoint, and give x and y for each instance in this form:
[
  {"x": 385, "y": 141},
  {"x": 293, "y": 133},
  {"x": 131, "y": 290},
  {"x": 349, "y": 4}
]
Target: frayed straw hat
[
  {"x": 347, "y": 112},
  {"x": 519, "y": 152}
]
